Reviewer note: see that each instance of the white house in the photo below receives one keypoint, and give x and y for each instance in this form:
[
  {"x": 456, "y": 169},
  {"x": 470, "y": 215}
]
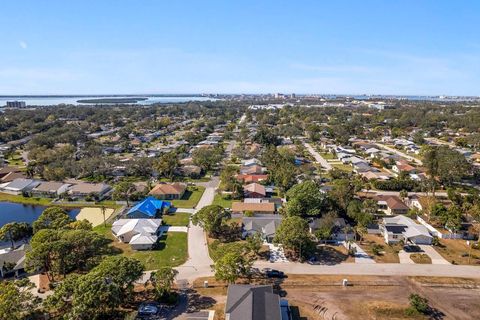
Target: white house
[
  {"x": 141, "y": 234},
  {"x": 402, "y": 228}
]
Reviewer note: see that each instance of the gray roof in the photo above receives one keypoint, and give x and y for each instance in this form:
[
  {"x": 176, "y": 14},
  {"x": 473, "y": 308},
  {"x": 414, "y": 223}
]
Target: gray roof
[
  {"x": 265, "y": 225},
  {"x": 247, "y": 302},
  {"x": 15, "y": 257},
  {"x": 21, "y": 184}
]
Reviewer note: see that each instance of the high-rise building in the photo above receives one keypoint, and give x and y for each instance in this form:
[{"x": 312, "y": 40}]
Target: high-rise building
[{"x": 16, "y": 104}]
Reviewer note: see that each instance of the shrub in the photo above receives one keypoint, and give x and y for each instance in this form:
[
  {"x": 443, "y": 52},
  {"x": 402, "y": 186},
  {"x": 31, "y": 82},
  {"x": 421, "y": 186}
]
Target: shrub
[
  {"x": 376, "y": 249},
  {"x": 419, "y": 303},
  {"x": 248, "y": 213}
]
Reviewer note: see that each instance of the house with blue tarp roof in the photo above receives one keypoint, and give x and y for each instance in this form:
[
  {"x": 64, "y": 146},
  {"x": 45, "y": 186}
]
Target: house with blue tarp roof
[{"x": 148, "y": 208}]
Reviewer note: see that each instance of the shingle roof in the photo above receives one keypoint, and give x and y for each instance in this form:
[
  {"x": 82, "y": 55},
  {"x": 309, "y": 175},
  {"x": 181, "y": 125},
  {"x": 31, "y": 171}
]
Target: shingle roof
[
  {"x": 266, "y": 225},
  {"x": 123, "y": 226},
  {"x": 247, "y": 302},
  {"x": 255, "y": 207},
  {"x": 256, "y": 188},
  {"x": 168, "y": 188}
]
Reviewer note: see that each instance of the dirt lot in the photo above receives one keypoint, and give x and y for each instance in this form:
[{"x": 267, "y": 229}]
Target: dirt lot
[
  {"x": 457, "y": 251},
  {"x": 332, "y": 254},
  {"x": 368, "y": 297}
]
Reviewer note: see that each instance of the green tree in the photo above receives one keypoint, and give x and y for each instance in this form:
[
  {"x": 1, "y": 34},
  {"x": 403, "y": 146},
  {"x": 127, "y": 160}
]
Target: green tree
[
  {"x": 445, "y": 164},
  {"x": 254, "y": 243},
  {"x": 162, "y": 281},
  {"x": 211, "y": 219},
  {"x": 97, "y": 294},
  {"x": 228, "y": 178},
  {"x": 58, "y": 252},
  {"x": 167, "y": 164},
  {"x": 124, "y": 191},
  {"x": 52, "y": 218},
  {"x": 15, "y": 231},
  {"x": 266, "y": 137},
  {"x": 207, "y": 158},
  {"x": 232, "y": 266},
  {"x": 16, "y": 300},
  {"x": 325, "y": 226},
  {"x": 305, "y": 199},
  {"x": 342, "y": 193},
  {"x": 293, "y": 234}
]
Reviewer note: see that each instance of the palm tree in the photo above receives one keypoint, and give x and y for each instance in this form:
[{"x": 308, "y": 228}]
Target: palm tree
[{"x": 103, "y": 213}]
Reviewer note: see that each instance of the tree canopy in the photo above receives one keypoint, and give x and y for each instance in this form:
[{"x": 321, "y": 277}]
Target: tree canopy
[
  {"x": 305, "y": 199},
  {"x": 211, "y": 218}
]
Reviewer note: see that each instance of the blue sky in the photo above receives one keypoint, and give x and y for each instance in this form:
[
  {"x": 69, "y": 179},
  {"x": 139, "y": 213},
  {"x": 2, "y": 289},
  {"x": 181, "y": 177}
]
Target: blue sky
[{"x": 126, "y": 46}]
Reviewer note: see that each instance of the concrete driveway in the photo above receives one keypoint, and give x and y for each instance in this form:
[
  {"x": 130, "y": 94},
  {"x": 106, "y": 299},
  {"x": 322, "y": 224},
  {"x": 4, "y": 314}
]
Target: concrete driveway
[
  {"x": 433, "y": 254},
  {"x": 405, "y": 257},
  {"x": 318, "y": 157}
]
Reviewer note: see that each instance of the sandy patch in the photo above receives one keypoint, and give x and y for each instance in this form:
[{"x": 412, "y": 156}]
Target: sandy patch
[{"x": 94, "y": 215}]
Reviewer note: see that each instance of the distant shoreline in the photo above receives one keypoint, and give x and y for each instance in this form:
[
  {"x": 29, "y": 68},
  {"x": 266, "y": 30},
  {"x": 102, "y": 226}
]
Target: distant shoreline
[{"x": 111, "y": 100}]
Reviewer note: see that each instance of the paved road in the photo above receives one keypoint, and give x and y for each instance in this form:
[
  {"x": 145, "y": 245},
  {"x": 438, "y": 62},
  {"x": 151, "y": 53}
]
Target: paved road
[
  {"x": 318, "y": 157},
  {"x": 379, "y": 269},
  {"x": 400, "y": 153},
  {"x": 199, "y": 261},
  {"x": 397, "y": 193}
]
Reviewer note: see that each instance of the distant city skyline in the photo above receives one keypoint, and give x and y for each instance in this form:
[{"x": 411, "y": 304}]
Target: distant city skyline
[{"x": 303, "y": 47}]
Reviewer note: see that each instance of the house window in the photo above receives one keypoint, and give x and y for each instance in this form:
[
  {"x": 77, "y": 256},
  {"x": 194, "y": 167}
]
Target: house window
[{"x": 395, "y": 236}]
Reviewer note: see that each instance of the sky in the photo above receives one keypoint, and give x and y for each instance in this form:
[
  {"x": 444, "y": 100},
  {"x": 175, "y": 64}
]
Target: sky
[{"x": 408, "y": 47}]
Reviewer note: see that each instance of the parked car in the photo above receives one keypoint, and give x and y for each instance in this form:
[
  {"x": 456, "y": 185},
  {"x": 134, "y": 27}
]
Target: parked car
[
  {"x": 412, "y": 248},
  {"x": 152, "y": 311},
  {"x": 274, "y": 274}
]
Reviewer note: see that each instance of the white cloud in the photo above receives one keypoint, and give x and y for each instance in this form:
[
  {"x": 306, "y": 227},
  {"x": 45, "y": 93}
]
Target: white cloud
[{"x": 23, "y": 44}]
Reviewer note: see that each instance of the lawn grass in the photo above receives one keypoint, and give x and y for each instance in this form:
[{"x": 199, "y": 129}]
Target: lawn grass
[
  {"x": 220, "y": 201},
  {"x": 190, "y": 198},
  {"x": 172, "y": 249},
  {"x": 176, "y": 219},
  {"x": 341, "y": 166},
  {"x": 15, "y": 159},
  {"x": 327, "y": 155},
  {"x": 457, "y": 252},
  {"x": 5, "y": 197}
]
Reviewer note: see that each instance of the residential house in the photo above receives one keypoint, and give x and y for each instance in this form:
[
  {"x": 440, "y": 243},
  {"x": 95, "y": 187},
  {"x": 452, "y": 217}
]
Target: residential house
[
  {"x": 402, "y": 228},
  {"x": 6, "y": 170},
  {"x": 168, "y": 191},
  {"x": 253, "y": 169},
  {"x": 150, "y": 207},
  {"x": 249, "y": 178},
  {"x": 265, "y": 226},
  {"x": 12, "y": 262},
  {"x": 9, "y": 177},
  {"x": 255, "y": 302},
  {"x": 19, "y": 186},
  {"x": 375, "y": 175},
  {"x": 251, "y": 162},
  {"x": 256, "y": 208},
  {"x": 403, "y": 167},
  {"x": 83, "y": 190},
  {"x": 254, "y": 190},
  {"x": 190, "y": 170},
  {"x": 391, "y": 205},
  {"x": 341, "y": 231},
  {"x": 50, "y": 189},
  {"x": 141, "y": 234}
]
